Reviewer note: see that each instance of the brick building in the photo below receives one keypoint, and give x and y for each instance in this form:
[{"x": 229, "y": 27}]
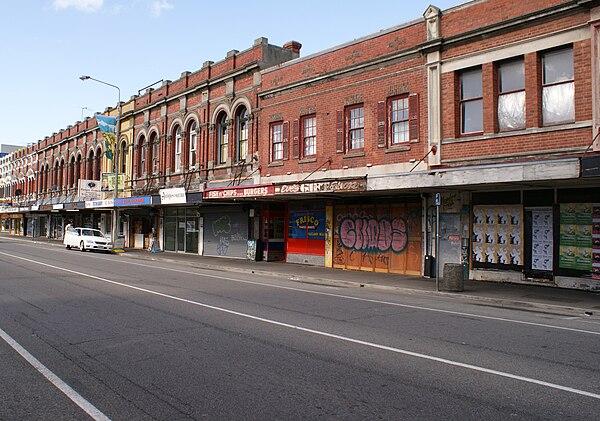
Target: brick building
[{"x": 337, "y": 158}]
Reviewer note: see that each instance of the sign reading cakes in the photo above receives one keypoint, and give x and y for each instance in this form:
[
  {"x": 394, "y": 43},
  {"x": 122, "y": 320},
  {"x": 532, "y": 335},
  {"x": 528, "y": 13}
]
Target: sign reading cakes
[{"x": 497, "y": 235}]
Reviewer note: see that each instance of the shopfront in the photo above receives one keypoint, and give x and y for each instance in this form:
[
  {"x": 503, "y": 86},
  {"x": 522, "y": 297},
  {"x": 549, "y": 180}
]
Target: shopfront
[
  {"x": 378, "y": 237},
  {"x": 549, "y": 236},
  {"x": 225, "y": 231},
  {"x": 181, "y": 229},
  {"x": 306, "y": 233}
]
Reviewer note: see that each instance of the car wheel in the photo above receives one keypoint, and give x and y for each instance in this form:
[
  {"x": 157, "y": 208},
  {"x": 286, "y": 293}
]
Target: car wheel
[
  {"x": 68, "y": 247},
  {"x": 81, "y": 246}
]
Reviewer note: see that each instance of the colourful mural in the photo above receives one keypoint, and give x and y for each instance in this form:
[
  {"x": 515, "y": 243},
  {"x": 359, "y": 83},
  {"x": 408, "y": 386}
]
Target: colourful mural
[{"x": 383, "y": 238}]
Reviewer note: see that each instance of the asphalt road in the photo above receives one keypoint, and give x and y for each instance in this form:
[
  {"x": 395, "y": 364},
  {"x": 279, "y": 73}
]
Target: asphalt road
[{"x": 92, "y": 335}]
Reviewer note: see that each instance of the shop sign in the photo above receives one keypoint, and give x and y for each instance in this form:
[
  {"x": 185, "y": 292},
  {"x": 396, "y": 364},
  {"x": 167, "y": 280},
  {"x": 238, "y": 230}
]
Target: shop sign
[
  {"x": 133, "y": 201},
  {"x": 108, "y": 203},
  {"x": 35, "y": 207},
  {"x": 254, "y": 191},
  {"x": 172, "y": 196},
  {"x": 89, "y": 190},
  {"x": 46, "y": 207},
  {"x": 58, "y": 206},
  {"x": 336, "y": 186}
]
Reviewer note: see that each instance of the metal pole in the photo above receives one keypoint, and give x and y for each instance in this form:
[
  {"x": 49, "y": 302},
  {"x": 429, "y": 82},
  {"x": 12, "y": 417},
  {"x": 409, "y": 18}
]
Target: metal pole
[
  {"x": 437, "y": 241},
  {"x": 115, "y": 212},
  {"x": 116, "y": 166}
]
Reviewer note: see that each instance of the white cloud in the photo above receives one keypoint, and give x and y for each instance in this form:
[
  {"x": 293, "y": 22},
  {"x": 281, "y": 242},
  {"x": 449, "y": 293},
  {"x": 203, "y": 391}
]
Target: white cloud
[
  {"x": 89, "y": 6},
  {"x": 158, "y": 6}
]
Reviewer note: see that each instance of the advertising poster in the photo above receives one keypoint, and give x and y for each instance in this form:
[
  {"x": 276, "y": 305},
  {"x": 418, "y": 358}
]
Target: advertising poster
[
  {"x": 596, "y": 241},
  {"x": 541, "y": 240},
  {"x": 307, "y": 225},
  {"x": 497, "y": 235},
  {"x": 576, "y": 224}
]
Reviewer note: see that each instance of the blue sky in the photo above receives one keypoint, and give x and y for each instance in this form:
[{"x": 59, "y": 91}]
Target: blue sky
[{"x": 48, "y": 44}]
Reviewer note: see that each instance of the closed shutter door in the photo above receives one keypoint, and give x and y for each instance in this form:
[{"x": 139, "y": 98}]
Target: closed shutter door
[{"x": 226, "y": 234}]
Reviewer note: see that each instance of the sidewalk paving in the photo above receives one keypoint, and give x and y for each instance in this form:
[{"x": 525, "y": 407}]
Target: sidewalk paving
[{"x": 539, "y": 298}]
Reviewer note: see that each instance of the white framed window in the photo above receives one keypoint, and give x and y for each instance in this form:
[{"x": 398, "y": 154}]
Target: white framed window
[
  {"x": 178, "y": 147},
  {"x": 309, "y": 135},
  {"x": 558, "y": 87},
  {"x": 223, "y": 140},
  {"x": 242, "y": 134},
  {"x": 356, "y": 127},
  {"x": 398, "y": 112},
  {"x": 193, "y": 144},
  {"x": 276, "y": 141},
  {"x": 511, "y": 95},
  {"x": 471, "y": 102}
]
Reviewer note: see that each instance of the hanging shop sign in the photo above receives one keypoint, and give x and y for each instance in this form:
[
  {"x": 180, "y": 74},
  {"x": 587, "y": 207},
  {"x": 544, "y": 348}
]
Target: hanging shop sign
[
  {"x": 133, "y": 201},
  {"x": 108, "y": 203},
  {"x": 238, "y": 192},
  {"x": 172, "y": 196},
  {"x": 335, "y": 186}
]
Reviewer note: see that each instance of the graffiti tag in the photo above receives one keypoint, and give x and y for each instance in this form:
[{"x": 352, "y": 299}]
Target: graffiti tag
[
  {"x": 368, "y": 234},
  {"x": 222, "y": 226}
]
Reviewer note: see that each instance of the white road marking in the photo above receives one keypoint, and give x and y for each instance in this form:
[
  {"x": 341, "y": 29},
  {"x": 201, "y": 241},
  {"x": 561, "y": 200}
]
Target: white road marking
[
  {"x": 326, "y": 334},
  {"x": 348, "y": 297},
  {"x": 79, "y": 400}
]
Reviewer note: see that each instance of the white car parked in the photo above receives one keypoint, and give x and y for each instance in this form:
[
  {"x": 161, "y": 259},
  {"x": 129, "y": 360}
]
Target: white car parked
[{"x": 86, "y": 239}]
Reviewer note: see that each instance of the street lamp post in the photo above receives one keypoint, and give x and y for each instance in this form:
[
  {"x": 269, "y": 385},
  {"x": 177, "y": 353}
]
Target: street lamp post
[{"x": 115, "y": 212}]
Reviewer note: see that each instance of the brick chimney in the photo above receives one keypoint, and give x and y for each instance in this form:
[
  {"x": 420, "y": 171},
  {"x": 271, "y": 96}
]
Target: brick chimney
[{"x": 294, "y": 47}]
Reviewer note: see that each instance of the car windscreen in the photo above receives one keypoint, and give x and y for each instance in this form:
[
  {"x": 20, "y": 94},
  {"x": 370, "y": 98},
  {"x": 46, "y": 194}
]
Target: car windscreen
[{"x": 92, "y": 233}]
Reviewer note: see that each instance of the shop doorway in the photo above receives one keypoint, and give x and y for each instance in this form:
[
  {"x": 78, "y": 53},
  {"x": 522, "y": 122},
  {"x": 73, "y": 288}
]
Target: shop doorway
[{"x": 181, "y": 227}]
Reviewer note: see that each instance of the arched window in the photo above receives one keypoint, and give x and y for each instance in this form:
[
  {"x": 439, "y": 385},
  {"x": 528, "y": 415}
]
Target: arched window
[
  {"x": 123, "y": 157},
  {"x": 241, "y": 127},
  {"x": 193, "y": 144},
  {"x": 178, "y": 148},
  {"x": 153, "y": 154},
  {"x": 89, "y": 170},
  {"x": 71, "y": 173},
  {"x": 77, "y": 170},
  {"x": 223, "y": 139},
  {"x": 97, "y": 164},
  {"x": 141, "y": 169}
]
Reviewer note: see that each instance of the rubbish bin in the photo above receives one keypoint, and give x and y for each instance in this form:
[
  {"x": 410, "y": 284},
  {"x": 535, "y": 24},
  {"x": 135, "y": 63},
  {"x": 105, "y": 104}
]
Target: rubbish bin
[
  {"x": 429, "y": 269},
  {"x": 453, "y": 279}
]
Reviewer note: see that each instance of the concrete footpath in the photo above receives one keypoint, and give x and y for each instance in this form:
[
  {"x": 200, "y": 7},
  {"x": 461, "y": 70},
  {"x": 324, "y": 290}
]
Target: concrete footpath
[{"x": 538, "y": 298}]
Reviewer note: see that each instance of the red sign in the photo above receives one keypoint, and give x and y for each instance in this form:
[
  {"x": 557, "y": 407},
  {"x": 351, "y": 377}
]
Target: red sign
[{"x": 253, "y": 191}]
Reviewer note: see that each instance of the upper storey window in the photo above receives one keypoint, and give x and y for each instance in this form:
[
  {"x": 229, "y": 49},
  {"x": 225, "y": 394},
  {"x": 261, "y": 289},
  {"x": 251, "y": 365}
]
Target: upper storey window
[
  {"x": 223, "y": 140},
  {"x": 558, "y": 89},
  {"x": 511, "y": 95},
  {"x": 356, "y": 127},
  {"x": 471, "y": 102}
]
